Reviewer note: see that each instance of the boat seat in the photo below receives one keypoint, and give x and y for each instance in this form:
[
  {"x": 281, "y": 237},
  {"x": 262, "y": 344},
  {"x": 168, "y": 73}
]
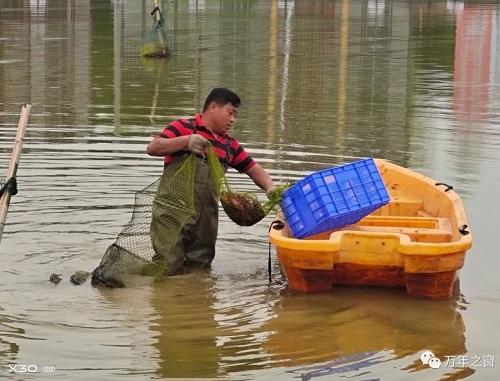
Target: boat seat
[
  {"x": 401, "y": 205},
  {"x": 425, "y": 221},
  {"x": 419, "y": 229},
  {"x": 423, "y": 213},
  {"x": 415, "y": 234}
]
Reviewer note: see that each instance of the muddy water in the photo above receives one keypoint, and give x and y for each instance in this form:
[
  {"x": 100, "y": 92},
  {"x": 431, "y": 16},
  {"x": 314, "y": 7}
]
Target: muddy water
[{"x": 322, "y": 82}]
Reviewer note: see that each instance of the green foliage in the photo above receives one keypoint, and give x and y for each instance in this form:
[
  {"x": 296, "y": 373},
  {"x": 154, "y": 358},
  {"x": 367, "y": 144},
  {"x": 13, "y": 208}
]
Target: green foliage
[{"x": 242, "y": 208}]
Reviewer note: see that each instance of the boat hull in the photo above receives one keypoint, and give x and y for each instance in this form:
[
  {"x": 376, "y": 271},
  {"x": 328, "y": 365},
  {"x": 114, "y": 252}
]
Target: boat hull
[{"x": 417, "y": 241}]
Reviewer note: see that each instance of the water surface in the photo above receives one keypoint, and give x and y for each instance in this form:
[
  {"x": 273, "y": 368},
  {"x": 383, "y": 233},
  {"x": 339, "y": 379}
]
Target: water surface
[{"x": 322, "y": 82}]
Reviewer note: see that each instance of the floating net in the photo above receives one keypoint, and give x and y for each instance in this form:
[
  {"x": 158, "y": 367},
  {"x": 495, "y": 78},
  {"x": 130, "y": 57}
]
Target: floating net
[
  {"x": 156, "y": 42},
  {"x": 160, "y": 213}
]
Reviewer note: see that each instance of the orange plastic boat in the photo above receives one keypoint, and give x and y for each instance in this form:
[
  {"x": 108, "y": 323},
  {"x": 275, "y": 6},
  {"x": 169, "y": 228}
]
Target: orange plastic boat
[{"x": 417, "y": 241}]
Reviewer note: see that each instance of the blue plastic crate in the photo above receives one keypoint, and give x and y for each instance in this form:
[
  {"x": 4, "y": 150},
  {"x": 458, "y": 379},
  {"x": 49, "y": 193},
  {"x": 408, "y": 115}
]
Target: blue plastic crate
[{"x": 333, "y": 198}]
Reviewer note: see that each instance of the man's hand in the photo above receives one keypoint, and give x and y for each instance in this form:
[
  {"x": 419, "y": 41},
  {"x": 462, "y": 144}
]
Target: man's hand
[
  {"x": 272, "y": 192},
  {"x": 197, "y": 144}
]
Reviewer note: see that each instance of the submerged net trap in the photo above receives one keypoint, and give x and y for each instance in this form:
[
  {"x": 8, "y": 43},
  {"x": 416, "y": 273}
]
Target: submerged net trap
[{"x": 156, "y": 43}]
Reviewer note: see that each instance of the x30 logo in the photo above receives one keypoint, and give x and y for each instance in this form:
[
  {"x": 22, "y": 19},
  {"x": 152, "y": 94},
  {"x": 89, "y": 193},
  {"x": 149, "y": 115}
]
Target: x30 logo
[{"x": 22, "y": 368}]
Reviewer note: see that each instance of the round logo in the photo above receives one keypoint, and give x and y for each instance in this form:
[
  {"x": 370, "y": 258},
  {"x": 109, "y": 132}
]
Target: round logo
[
  {"x": 426, "y": 356},
  {"x": 434, "y": 363}
]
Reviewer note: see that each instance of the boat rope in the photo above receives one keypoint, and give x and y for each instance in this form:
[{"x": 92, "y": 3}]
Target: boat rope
[{"x": 277, "y": 225}]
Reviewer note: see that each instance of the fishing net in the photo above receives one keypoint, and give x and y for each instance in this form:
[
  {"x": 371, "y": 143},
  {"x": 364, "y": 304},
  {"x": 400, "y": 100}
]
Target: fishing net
[
  {"x": 156, "y": 42},
  {"x": 160, "y": 212},
  {"x": 243, "y": 209}
]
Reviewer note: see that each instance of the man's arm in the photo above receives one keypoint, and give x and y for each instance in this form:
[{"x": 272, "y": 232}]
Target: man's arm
[
  {"x": 260, "y": 177},
  {"x": 161, "y": 146}
]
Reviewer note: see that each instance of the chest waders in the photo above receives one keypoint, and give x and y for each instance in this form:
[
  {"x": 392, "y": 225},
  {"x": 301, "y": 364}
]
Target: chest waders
[{"x": 195, "y": 245}]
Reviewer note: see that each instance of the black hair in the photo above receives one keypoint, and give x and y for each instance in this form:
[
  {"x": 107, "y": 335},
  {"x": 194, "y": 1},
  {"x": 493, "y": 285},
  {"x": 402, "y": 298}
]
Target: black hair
[{"x": 222, "y": 96}]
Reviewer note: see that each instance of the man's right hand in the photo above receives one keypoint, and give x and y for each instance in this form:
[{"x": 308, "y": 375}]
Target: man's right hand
[{"x": 197, "y": 144}]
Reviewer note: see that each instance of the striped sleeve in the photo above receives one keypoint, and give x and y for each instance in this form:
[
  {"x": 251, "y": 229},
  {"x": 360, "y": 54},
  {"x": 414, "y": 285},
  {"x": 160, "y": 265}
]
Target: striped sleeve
[
  {"x": 240, "y": 160},
  {"x": 176, "y": 128}
]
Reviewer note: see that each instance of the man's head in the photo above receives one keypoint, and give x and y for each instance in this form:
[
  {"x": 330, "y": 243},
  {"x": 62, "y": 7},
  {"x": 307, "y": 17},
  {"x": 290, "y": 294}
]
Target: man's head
[{"x": 220, "y": 109}]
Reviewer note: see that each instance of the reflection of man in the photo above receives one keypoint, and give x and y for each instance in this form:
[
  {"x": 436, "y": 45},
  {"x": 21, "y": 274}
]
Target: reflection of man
[{"x": 187, "y": 331}]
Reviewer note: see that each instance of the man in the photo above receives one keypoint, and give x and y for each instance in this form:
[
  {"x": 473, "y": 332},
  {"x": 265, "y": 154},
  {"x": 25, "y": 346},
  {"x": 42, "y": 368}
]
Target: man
[{"x": 196, "y": 244}]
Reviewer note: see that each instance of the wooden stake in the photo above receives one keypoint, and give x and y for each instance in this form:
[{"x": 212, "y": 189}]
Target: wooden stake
[
  {"x": 14, "y": 162},
  {"x": 160, "y": 36}
]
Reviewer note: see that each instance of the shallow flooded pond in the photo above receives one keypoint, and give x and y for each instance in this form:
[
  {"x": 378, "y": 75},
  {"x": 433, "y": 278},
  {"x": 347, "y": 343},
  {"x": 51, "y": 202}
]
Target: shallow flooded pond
[{"x": 322, "y": 82}]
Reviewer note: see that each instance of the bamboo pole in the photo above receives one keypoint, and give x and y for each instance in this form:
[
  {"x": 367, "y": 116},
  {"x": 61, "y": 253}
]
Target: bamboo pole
[
  {"x": 14, "y": 162},
  {"x": 160, "y": 36}
]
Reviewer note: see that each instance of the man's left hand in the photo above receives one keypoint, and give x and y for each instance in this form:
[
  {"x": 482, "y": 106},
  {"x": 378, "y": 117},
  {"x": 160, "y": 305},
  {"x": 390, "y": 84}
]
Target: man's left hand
[{"x": 270, "y": 192}]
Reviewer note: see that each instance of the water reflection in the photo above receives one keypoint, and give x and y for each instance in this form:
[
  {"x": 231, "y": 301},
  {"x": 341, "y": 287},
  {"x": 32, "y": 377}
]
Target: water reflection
[
  {"x": 316, "y": 328},
  {"x": 204, "y": 329},
  {"x": 366, "y": 60},
  {"x": 209, "y": 325},
  {"x": 186, "y": 328},
  {"x": 322, "y": 81},
  {"x": 8, "y": 346},
  {"x": 474, "y": 62}
]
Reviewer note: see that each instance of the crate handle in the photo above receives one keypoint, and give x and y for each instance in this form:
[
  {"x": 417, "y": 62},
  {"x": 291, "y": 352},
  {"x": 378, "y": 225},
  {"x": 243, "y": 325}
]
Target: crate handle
[{"x": 448, "y": 187}]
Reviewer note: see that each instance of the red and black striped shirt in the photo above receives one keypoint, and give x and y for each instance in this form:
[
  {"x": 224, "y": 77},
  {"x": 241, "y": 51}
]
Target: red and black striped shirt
[{"x": 228, "y": 149}]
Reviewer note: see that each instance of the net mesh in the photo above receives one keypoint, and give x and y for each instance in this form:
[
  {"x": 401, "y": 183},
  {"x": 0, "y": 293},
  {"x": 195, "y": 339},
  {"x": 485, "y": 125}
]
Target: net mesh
[
  {"x": 160, "y": 213},
  {"x": 156, "y": 41}
]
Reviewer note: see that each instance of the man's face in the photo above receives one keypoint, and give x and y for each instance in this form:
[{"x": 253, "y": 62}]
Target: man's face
[{"x": 222, "y": 117}]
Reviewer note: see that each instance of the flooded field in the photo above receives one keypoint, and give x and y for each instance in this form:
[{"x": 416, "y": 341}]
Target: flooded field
[{"x": 322, "y": 82}]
